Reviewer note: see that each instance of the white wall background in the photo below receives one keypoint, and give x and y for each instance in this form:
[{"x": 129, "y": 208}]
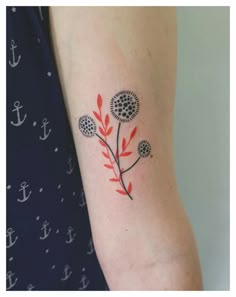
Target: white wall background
[{"x": 202, "y": 134}]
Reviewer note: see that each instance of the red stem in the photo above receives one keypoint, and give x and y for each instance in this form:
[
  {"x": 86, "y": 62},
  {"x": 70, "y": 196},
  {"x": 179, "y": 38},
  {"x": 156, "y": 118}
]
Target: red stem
[
  {"x": 123, "y": 150},
  {"x": 108, "y": 153}
]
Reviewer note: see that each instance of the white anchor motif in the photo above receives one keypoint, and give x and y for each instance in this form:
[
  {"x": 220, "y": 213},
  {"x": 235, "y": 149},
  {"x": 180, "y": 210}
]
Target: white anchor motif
[
  {"x": 71, "y": 236},
  {"x": 71, "y": 166},
  {"x": 44, "y": 126},
  {"x": 82, "y": 196},
  {"x": 25, "y": 197},
  {"x": 46, "y": 230},
  {"x": 17, "y": 109},
  {"x": 14, "y": 63},
  {"x": 84, "y": 281},
  {"x": 10, "y": 240},
  {"x": 90, "y": 246},
  {"x": 67, "y": 272},
  {"x": 40, "y": 13},
  {"x": 10, "y": 282},
  {"x": 30, "y": 287}
]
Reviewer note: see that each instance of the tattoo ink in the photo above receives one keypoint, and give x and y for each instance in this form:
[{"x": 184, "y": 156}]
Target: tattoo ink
[{"x": 124, "y": 107}]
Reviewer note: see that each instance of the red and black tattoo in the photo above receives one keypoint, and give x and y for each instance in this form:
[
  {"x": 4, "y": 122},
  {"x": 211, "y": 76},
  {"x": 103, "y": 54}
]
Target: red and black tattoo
[{"x": 124, "y": 107}]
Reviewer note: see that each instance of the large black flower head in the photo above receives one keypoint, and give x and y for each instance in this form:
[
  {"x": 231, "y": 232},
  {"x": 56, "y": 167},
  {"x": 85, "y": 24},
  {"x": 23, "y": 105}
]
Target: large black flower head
[
  {"x": 144, "y": 148},
  {"x": 87, "y": 126},
  {"x": 124, "y": 106}
]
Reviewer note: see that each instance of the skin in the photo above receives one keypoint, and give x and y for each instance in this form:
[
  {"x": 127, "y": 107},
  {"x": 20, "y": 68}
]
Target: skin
[{"x": 146, "y": 243}]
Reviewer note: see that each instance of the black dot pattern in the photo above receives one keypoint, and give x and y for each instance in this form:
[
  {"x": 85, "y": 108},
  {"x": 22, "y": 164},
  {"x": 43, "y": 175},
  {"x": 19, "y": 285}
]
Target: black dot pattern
[
  {"x": 124, "y": 106},
  {"x": 87, "y": 126},
  {"x": 144, "y": 148}
]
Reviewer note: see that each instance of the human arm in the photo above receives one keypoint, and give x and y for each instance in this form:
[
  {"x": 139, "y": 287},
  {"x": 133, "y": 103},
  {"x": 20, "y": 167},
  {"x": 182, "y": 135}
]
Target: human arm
[{"x": 142, "y": 238}]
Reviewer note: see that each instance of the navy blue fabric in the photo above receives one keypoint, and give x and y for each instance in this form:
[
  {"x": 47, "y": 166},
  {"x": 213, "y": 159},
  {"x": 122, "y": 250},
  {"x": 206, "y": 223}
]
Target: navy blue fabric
[{"x": 49, "y": 243}]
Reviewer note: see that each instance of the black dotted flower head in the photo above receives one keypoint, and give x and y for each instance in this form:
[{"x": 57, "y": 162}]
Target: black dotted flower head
[
  {"x": 144, "y": 148},
  {"x": 87, "y": 126},
  {"x": 124, "y": 106}
]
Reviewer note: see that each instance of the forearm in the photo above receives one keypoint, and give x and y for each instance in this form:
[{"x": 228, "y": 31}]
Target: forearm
[{"x": 141, "y": 234}]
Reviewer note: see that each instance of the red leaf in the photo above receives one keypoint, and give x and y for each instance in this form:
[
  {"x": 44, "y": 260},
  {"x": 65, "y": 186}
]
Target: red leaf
[
  {"x": 114, "y": 179},
  {"x": 133, "y": 133},
  {"x": 102, "y": 143},
  {"x": 129, "y": 188},
  {"x": 125, "y": 154},
  {"x": 108, "y": 166},
  {"x": 99, "y": 101},
  {"x": 123, "y": 144},
  {"x": 105, "y": 155},
  {"x": 116, "y": 154},
  {"x": 102, "y": 131},
  {"x": 107, "y": 120},
  {"x": 109, "y": 131},
  {"x": 121, "y": 192},
  {"x": 97, "y": 116}
]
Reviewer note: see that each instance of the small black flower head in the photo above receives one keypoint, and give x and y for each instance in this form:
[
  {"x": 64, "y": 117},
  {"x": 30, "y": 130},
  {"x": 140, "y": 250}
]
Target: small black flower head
[
  {"x": 144, "y": 148},
  {"x": 124, "y": 106},
  {"x": 87, "y": 126}
]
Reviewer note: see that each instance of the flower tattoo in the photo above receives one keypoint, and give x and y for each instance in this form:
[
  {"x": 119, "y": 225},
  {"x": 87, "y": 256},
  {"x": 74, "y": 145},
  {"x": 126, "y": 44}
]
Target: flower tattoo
[
  {"x": 87, "y": 126},
  {"x": 124, "y": 107},
  {"x": 144, "y": 148}
]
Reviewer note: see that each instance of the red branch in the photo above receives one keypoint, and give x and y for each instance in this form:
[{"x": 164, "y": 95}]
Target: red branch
[
  {"x": 105, "y": 130},
  {"x": 125, "y": 144}
]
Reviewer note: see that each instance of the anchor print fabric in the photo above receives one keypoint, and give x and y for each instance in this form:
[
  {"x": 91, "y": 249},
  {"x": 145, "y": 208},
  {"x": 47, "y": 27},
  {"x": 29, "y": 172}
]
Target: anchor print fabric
[{"x": 48, "y": 236}]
